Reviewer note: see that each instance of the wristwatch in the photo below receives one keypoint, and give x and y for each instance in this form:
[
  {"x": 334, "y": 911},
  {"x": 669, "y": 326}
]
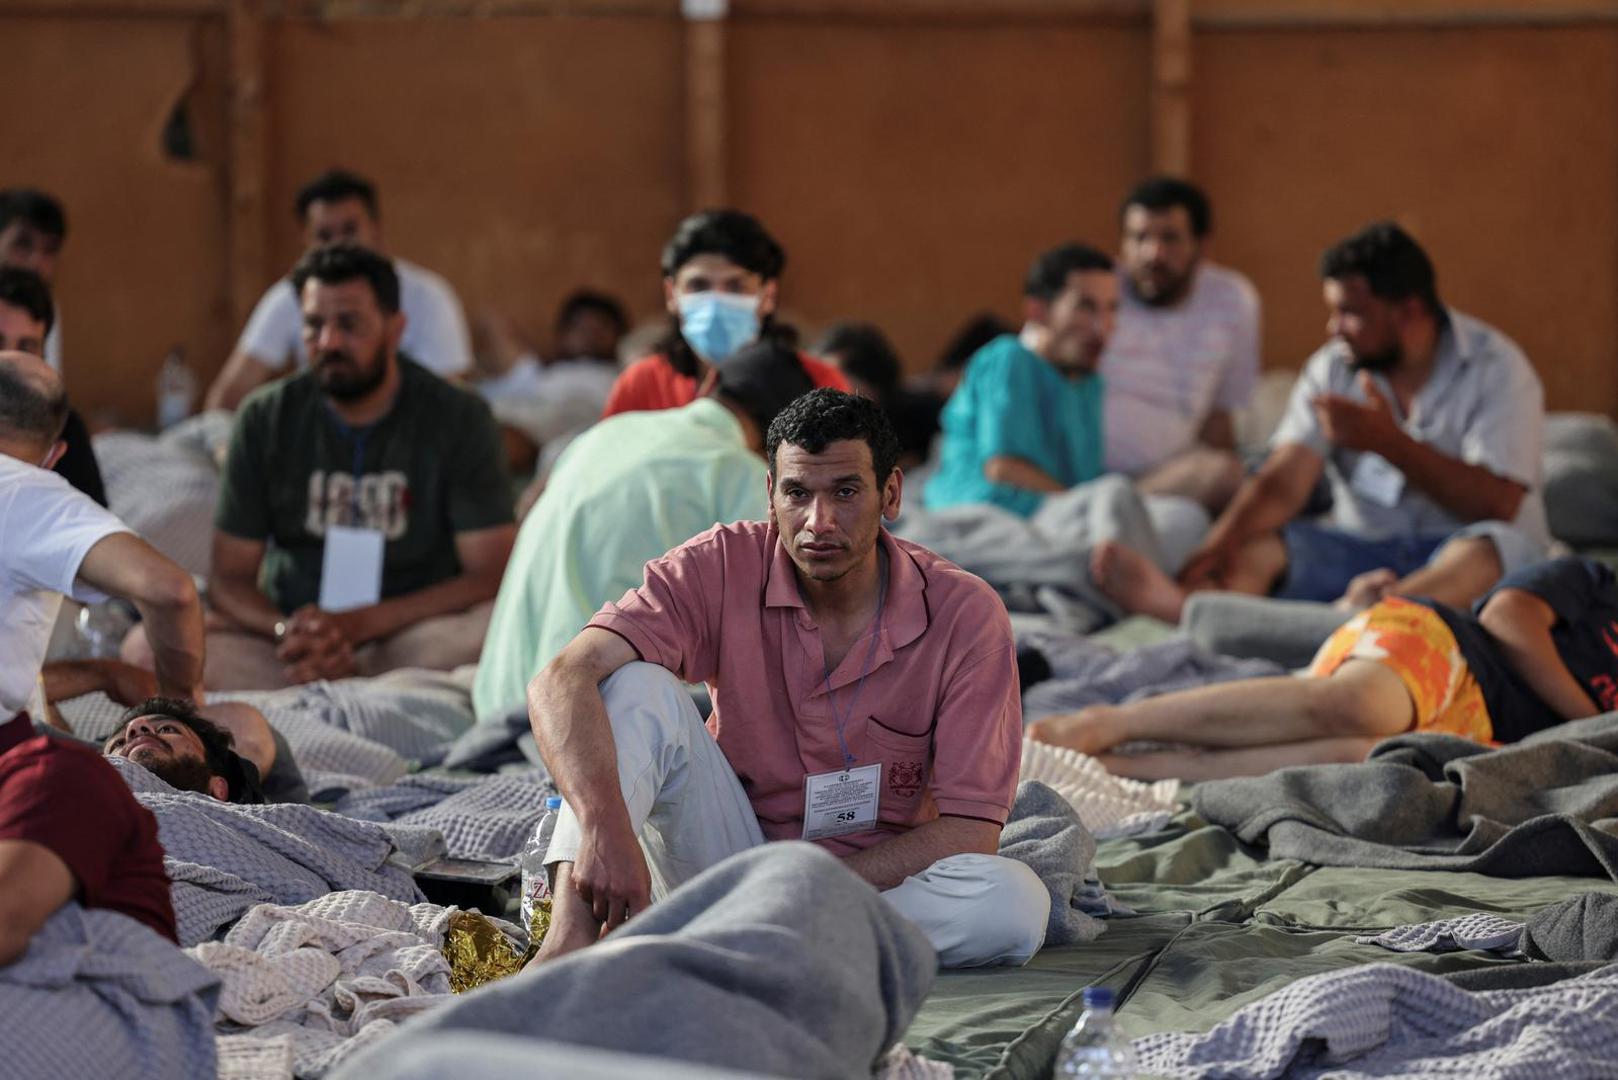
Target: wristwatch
[{"x": 280, "y": 631}]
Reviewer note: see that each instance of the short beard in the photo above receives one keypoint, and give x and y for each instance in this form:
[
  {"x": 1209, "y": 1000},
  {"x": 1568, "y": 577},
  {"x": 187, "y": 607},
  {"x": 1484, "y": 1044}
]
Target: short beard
[
  {"x": 1169, "y": 295},
  {"x": 180, "y": 773},
  {"x": 1379, "y": 363},
  {"x": 354, "y": 387}
]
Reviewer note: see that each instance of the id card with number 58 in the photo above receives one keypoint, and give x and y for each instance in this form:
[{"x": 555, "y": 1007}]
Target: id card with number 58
[{"x": 841, "y": 802}]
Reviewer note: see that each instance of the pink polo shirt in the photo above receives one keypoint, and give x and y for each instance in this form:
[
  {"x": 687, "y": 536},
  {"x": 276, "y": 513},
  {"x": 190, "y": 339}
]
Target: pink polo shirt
[{"x": 940, "y": 708}]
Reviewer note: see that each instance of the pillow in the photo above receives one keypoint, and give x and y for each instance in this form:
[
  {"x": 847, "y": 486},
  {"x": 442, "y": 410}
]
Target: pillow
[{"x": 1581, "y": 478}]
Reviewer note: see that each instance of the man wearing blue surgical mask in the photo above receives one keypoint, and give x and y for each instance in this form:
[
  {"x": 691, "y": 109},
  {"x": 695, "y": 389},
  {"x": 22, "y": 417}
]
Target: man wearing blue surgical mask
[{"x": 721, "y": 281}]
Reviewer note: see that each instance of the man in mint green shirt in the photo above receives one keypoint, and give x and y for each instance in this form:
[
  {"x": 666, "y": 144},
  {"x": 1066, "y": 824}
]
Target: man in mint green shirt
[
  {"x": 1026, "y": 419},
  {"x": 629, "y": 490}
]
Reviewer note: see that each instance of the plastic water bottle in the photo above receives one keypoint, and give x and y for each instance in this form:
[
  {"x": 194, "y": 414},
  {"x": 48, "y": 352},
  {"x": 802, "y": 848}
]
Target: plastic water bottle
[
  {"x": 535, "y": 903},
  {"x": 1095, "y": 1047},
  {"x": 176, "y": 389}
]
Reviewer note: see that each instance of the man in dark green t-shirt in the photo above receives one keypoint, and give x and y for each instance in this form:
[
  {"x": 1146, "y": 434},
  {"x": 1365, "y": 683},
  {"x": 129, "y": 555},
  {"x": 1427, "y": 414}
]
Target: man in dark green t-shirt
[{"x": 371, "y": 442}]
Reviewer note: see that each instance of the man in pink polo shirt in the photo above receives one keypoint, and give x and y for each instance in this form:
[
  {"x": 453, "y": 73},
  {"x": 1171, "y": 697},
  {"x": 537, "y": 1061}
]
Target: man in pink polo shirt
[{"x": 865, "y": 698}]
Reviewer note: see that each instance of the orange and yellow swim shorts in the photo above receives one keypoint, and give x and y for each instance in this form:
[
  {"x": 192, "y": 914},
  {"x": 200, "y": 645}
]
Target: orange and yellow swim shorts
[{"x": 1413, "y": 641}]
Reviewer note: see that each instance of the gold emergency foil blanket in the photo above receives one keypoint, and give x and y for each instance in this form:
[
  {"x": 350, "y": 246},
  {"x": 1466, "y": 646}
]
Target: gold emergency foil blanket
[{"x": 478, "y": 952}]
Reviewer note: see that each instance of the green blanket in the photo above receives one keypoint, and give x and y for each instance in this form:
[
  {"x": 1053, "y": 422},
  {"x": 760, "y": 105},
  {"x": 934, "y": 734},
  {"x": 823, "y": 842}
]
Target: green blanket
[{"x": 1219, "y": 925}]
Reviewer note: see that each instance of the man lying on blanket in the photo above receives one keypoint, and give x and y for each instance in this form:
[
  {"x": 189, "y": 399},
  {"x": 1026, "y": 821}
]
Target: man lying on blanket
[
  {"x": 865, "y": 697},
  {"x": 232, "y": 755},
  {"x": 1539, "y": 649}
]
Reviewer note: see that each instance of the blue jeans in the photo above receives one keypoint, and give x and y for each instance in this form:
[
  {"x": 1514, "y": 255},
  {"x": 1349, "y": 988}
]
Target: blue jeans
[{"x": 1321, "y": 561}]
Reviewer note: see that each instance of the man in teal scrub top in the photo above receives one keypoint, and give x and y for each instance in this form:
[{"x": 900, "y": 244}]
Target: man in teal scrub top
[{"x": 1026, "y": 420}]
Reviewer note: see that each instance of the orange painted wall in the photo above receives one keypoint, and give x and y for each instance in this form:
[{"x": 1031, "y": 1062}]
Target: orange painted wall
[
  {"x": 914, "y": 172},
  {"x": 912, "y": 166},
  {"x": 1496, "y": 147},
  {"x": 519, "y": 157},
  {"x": 142, "y": 268}
]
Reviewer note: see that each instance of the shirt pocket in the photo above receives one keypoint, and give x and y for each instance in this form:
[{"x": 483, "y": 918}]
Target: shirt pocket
[{"x": 907, "y": 762}]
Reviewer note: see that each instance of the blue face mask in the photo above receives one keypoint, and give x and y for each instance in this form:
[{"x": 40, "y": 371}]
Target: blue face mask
[{"x": 716, "y": 324}]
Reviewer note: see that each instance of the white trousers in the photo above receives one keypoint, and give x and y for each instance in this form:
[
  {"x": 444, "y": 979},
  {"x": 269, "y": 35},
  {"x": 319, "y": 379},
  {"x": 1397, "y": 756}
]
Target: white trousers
[{"x": 690, "y": 813}]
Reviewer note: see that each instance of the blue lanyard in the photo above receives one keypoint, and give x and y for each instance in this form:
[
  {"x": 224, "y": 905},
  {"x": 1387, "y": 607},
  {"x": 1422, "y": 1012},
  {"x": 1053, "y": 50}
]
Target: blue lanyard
[
  {"x": 359, "y": 437},
  {"x": 870, "y": 658}
]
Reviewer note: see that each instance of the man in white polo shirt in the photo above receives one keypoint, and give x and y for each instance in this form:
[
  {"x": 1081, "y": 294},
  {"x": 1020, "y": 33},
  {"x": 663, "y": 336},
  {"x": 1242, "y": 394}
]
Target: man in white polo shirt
[
  {"x": 55, "y": 540},
  {"x": 339, "y": 207},
  {"x": 1185, "y": 354}
]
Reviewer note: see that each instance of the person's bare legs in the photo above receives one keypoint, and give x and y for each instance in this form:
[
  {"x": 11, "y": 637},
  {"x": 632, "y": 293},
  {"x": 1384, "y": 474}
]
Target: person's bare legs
[
  {"x": 1208, "y": 764},
  {"x": 573, "y": 922},
  {"x": 1461, "y": 572},
  {"x": 1361, "y": 699},
  {"x": 1203, "y": 473},
  {"x": 1133, "y": 582}
]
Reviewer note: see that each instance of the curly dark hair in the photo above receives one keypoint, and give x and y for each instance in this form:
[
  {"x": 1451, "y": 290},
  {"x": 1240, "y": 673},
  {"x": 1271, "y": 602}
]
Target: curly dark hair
[
  {"x": 349, "y": 262},
  {"x": 218, "y": 746},
  {"x": 34, "y": 207},
  {"x": 1393, "y": 265},
  {"x": 1166, "y": 192},
  {"x": 335, "y": 185},
  {"x": 27, "y": 290},
  {"x": 825, "y": 416}
]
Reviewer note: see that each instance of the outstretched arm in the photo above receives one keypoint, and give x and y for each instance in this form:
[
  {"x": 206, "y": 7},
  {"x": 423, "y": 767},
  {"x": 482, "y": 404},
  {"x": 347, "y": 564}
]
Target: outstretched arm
[
  {"x": 1521, "y": 623},
  {"x": 242, "y": 374},
  {"x": 126, "y": 566},
  {"x": 1020, "y": 473}
]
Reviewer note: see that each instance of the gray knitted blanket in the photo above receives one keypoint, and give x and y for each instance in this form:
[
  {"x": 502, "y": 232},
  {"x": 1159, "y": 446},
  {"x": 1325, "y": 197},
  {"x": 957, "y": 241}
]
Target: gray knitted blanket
[
  {"x": 224, "y": 858},
  {"x": 1545, "y": 806},
  {"x": 1383, "y": 1020},
  {"x": 480, "y": 817},
  {"x": 778, "y": 961},
  {"x": 98, "y": 994},
  {"x": 1085, "y": 673}
]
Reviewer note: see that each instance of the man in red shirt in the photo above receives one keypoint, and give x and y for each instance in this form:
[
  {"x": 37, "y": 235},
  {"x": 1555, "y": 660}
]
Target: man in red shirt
[
  {"x": 865, "y": 698},
  {"x": 70, "y": 829},
  {"x": 721, "y": 285}
]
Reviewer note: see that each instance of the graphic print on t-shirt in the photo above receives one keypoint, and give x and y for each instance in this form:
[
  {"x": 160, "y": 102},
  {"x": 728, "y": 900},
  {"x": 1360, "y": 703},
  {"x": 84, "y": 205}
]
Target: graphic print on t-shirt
[
  {"x": 382, "y": 502},
  {"x": 1604, "y": 686}
]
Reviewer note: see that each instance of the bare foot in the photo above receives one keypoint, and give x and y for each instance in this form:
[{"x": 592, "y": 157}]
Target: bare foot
[
  {"x": 1089, "y": 731},
  {"x": 1133, "y": 582},
  {"x": 1366, "y": 589},
  {"x": 573, "y": 924}
]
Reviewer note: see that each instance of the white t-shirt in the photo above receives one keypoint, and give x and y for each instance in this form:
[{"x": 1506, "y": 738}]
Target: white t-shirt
[
  {"x": 435, "y": 333},
  {"x": 1168, "y": 368},
  {"x": 46, "y": 530}
]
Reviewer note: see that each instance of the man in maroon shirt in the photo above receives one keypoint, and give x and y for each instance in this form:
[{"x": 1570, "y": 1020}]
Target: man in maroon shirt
[{"x": 70, "y": 829}]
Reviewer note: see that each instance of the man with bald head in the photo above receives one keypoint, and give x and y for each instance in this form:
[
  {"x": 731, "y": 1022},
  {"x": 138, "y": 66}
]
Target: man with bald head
[{"x": 54, "y": 540}]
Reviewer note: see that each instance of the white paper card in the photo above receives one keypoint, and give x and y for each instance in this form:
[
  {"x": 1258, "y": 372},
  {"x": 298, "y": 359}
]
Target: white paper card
[
  {"x": 1376, "y": 479},
  {"x": 841, "y": 802},
  {"x": 351, "y": 568}
]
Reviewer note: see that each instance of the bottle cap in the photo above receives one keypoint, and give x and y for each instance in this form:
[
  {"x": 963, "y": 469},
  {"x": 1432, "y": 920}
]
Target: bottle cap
[
  {"x": 1098, "y": 997},
  {"x": 553, "y": 803}
]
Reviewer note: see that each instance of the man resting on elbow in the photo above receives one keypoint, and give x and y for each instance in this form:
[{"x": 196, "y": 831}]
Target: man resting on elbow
[{"x": 1540, "y": 649}]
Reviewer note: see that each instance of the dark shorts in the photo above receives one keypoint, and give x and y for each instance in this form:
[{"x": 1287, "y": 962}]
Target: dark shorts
[{"x": 1321, "y": 561}]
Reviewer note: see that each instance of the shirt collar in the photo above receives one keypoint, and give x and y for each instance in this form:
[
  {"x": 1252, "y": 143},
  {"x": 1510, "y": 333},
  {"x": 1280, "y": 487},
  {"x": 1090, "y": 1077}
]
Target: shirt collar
[
  {"x": 1450, "y": 359},
  {"x": 906, "y": 615}
]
